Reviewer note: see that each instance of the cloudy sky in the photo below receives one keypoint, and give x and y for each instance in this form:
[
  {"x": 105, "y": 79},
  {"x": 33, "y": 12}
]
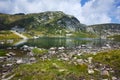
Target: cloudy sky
[{"x": 87, "y": 11}]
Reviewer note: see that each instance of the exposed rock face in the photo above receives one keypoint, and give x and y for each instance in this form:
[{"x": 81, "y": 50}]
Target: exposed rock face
[
  {"x": 104, "y": 28},
  {"x": 71, "y": 23},
  {"x": 56, "y": 20}
]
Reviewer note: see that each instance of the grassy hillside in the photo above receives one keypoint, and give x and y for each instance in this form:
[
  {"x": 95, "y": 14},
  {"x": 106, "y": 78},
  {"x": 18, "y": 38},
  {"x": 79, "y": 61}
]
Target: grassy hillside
[
  {"x": 8, "y": 35},
  {"x": 84, "y": 35}
]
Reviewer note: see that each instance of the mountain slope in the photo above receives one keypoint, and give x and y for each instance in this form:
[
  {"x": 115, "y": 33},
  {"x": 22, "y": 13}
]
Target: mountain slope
[
  {"x": 54, "y": 23},
  {"x": 49, "y": 19},
  {"x": 50, "y": 22},
  {"x": 104, "y": 29}
]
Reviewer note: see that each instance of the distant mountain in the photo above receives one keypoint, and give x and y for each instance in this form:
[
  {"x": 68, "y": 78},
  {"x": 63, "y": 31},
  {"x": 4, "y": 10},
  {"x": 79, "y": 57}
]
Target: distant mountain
[{"x": 104, "y": 29}]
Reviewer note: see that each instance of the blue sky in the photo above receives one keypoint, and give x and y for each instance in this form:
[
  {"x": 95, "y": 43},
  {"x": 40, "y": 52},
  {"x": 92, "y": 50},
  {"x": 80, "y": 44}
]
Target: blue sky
[
  {"x": 82, "y": 2},
  {"x": 87, "y": 11}
]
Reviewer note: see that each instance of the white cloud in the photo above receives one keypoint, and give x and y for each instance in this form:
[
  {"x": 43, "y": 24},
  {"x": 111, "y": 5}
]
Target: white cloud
[
  {"x": 97, "y": 11},
  {"x": 93, "y": 12},
  {"x": 118, "y": 13}
]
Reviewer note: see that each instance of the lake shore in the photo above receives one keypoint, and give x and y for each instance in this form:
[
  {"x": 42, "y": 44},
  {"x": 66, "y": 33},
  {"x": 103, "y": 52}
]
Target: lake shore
[{"x": 54, "y": 56}]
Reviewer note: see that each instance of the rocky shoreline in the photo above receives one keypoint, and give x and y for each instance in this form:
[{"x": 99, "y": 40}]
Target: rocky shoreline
[{"x": 11, "y": 60}]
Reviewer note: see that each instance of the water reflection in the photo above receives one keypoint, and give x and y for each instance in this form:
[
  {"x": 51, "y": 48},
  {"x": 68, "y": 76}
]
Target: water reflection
[
  {"x": 46, "y": 42},
  {"x": 55, "y": 42},
  {"x": 8, "y": 42},
  {"x": 20, "y": 42}
]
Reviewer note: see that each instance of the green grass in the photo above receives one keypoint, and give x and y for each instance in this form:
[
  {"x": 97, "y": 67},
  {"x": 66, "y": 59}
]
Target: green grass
[
  {"x": 38, "y": 51},
  {"x": 115, "y": 37},
  {"x": 84, "y": 56},
  {"x": 50, "y": 70},
  {"x": 84, "y": 35},
  {"x": 53, "y": 33},
  {"x": 8, "y": 35},
  {"x": 2, "y": 52},
  {"x": 42, "y": 33},
  {"x": 54, "y": 69},
  {"x": 111, "y": 58}
]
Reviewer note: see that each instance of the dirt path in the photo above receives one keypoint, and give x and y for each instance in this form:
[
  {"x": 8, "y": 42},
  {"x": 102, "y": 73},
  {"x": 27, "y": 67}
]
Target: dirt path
[{"x": 22, "y": 36}]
